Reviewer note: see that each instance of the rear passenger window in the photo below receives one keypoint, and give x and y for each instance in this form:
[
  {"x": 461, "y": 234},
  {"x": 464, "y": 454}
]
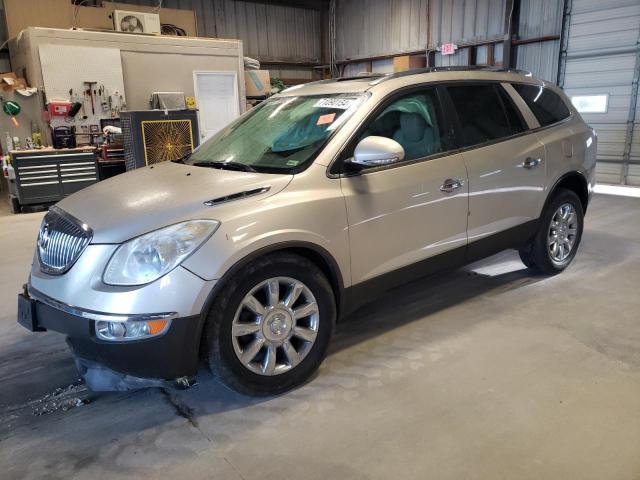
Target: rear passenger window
[
  {"x": 484, "y": 114},
  {"x": 546, "y": 105}
]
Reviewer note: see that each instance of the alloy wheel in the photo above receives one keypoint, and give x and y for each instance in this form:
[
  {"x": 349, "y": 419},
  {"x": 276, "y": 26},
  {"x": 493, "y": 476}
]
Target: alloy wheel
[
  {"x": 562, "y": 235},
  {"x": 275, "y": 326}
]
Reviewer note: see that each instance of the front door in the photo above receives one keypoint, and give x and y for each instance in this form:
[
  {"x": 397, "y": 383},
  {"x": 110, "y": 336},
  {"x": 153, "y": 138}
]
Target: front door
[{"x": 416, "y": 209}]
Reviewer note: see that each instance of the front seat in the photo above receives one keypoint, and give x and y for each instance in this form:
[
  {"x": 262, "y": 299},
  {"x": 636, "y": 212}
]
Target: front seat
[{"x": 415, "y": 135}]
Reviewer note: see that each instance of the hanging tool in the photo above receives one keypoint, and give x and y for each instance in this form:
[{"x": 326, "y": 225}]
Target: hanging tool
[
  {"x": 91, "y": 92},
  {"x": 103, "y": 99}
]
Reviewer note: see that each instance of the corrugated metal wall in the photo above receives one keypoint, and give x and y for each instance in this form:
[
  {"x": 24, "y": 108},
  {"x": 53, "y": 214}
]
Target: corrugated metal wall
[
  {"x": 367, "y": 28},
  {"x": 540, "y": 18},
  {"x": 602, "y": 58},
  {"x": 371, "y": 28},
  {"x": 466, "y": 21},
  {"x": 269, "y": 32}
]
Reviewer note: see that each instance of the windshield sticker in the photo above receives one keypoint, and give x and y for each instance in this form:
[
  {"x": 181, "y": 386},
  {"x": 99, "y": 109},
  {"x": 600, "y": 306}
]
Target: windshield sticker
[
  {"x": 292, "y": 163},
  {"x": 324, "y": 119},
  {"x": 339, "y": 103}
]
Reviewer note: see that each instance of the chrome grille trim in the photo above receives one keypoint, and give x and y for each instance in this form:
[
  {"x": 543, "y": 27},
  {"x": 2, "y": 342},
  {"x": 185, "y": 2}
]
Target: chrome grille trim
[{"x": 61, "y": 240}]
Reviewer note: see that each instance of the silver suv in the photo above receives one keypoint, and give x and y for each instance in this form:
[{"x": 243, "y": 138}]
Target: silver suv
[{"x": 245, "y": 253}]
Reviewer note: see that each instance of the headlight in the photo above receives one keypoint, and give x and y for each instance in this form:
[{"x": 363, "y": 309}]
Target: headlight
[{"x": 150, "y": 256}]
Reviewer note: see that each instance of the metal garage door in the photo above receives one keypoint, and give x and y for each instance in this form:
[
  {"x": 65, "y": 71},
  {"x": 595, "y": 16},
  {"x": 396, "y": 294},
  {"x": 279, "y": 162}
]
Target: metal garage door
[{"x": 599, "y": 70}]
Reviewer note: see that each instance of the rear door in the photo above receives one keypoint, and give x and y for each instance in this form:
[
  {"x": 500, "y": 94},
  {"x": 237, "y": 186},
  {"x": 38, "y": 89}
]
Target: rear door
[
  {"x": 413, "y": 210},
  {"x": 506, "y": 164},
  {"x": 565, "y": 137}
]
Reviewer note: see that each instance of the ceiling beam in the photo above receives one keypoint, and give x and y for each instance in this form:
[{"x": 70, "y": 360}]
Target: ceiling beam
[{"x": 306, "y": 4}]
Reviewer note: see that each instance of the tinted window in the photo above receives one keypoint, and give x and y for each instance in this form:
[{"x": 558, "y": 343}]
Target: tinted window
[
  {"x": 484, "y": 115},
  {"x": 414, "y": 121},
  {"x": 513, "y": 114},
  {"x": 547, "y": 106}
]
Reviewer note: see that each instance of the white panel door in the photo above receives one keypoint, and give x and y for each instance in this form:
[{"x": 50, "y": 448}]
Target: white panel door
[{"x": 216, "y": 99}]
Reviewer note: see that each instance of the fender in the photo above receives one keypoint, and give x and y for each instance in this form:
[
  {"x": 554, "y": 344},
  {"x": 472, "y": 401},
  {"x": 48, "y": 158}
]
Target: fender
[
  {"x": 328, "y": 265},
  {"x": 584, "y": 187}
]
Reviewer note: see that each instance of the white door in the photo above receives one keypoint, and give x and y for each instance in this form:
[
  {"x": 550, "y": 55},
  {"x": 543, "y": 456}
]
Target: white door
[{"x": 217, "y": 100}]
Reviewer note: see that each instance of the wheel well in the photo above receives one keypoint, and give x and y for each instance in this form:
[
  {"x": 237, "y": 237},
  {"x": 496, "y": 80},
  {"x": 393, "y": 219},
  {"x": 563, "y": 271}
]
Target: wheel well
[
  {"x": 576, "y": 183},
  {"x": 321, "y": 258},
  {"x": 316, "y": 255},
  {"x": 324, "y": 264}
]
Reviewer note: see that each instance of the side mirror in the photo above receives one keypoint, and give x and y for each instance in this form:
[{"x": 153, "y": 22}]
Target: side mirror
[{"x": 376, "y": 151}]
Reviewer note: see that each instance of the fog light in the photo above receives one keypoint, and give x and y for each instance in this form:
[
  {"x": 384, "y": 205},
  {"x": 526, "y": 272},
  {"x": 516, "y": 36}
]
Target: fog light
[{"x": 130, "y": 330}]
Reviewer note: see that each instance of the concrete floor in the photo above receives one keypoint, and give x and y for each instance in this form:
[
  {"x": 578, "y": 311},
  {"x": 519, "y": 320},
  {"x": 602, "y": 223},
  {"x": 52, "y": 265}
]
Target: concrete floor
[{"x": 487, "y": 372}]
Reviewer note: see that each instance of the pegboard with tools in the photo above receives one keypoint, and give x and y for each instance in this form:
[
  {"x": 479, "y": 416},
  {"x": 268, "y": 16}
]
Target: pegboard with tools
[{"x": 84, "y": 85}]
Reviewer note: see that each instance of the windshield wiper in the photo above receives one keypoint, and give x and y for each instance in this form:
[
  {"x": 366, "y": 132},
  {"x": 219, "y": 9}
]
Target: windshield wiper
[
  {"x": 241, "y": 167},
  {"x": 182, "y": 159}
]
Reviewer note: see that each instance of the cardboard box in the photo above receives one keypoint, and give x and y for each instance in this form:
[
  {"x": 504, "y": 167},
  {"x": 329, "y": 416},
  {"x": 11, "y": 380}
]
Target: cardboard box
[
  {"x": 257, "y": 83},
  {"x": 9, "y": 82},
  {"x": 408, "y": 62}
]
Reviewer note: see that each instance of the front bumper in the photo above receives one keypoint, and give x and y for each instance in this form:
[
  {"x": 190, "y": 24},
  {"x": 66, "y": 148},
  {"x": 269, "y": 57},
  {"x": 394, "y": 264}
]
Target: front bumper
[{"x": 168, "y": 359}]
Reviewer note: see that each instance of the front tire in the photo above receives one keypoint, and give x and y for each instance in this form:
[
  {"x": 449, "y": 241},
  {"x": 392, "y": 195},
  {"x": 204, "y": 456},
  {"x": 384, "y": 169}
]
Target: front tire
[
  {"x": 269, "y": 328},
  {"x": 555, "y": 244}
]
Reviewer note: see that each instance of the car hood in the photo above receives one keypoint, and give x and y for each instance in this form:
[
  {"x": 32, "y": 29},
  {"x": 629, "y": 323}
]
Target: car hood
[{"x": 149, "y": 198}]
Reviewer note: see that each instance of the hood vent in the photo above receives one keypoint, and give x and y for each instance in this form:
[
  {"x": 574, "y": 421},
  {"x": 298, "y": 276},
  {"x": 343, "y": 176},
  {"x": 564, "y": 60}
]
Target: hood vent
[{"x": 237, "y": 196}]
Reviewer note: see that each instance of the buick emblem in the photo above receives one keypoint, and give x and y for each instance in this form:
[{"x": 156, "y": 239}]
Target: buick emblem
[{"x": 44, "y": 236}]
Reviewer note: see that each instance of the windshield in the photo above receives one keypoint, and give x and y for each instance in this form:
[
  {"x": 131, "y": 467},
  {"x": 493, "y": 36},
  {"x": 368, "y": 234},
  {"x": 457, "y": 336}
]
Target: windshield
[{"x": 281, "y": 134}]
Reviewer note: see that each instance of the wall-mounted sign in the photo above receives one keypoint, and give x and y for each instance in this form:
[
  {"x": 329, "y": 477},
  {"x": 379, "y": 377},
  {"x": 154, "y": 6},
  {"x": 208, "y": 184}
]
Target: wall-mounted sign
[{"x": 448, "y": 48}]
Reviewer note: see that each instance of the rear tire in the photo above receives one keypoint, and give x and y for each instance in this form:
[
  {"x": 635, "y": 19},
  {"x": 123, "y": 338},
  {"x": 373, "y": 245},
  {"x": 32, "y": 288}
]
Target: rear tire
[
  {"x": 555, "y": 244},
  {"x": 259, "y": 339}
]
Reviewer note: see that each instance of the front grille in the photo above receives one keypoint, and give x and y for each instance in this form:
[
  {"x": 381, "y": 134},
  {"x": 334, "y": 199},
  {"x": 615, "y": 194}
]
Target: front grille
[{"x": 61, "y": 241}]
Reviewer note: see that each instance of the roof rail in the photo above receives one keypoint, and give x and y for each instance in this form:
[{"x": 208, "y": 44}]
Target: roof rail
[
  {"x": 468, "y": 68},
  {"x": 361, "y": 76}
]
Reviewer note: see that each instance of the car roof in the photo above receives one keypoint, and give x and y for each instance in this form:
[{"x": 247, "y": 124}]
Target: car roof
[{"x": 389, "y": 82}]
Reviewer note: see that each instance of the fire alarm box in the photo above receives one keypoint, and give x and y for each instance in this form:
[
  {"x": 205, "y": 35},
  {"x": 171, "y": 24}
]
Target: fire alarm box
[{"x": 59, "y": 109}]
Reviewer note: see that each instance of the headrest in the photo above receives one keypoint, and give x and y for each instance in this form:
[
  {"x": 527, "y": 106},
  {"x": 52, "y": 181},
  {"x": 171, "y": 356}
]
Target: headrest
[{"x": 413, "y": 126}]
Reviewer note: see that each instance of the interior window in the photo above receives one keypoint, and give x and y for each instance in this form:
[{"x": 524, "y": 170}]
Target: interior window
[
  {"x": 483, "y": 114},
  {"x": 414, "y": 121},
  {"x": 546, "y": 105}
]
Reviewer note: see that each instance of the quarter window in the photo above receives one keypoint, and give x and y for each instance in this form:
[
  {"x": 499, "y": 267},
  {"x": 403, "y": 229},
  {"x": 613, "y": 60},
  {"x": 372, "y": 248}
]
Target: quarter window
[
  {"x": 483, "y": 113},
  {"x": 547, "y": 106}
]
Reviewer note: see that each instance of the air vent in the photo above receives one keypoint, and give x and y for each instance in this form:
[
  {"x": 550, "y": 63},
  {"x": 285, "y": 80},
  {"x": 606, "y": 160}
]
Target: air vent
[{"x": 237, "y": 196}]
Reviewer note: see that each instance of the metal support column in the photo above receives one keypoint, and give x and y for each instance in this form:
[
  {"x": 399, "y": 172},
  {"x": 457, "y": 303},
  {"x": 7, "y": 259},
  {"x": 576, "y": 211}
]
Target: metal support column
[
  {"x": 631, "y": 120},
  {"x": 564, "y": 41},
  {"x": 511, "y": 22}
]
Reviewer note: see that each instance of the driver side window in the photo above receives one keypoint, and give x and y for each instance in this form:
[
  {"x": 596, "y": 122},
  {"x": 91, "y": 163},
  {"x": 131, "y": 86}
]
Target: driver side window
[{"x": 414, "y": 121}]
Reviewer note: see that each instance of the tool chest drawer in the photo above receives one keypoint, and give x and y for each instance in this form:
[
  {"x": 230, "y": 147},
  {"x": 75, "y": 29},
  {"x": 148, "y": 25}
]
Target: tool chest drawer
[{"x": 50, "y": 175}]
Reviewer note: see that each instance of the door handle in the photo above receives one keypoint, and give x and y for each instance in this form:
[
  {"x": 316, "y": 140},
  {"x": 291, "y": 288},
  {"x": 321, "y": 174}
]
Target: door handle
[
  {"x": 450, "y": 185},
  {"x": 531, "y": 162}
]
